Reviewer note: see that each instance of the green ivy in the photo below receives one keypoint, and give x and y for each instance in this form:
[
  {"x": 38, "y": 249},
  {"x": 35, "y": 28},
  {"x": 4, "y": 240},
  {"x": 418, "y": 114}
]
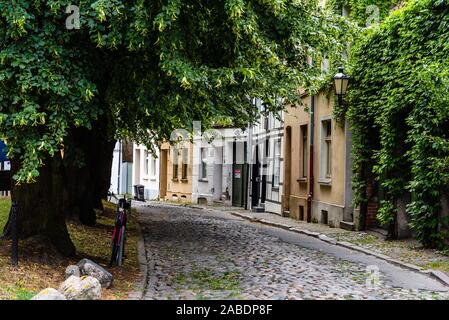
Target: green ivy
[
  {"x": 363, "y": 11},
  {"x": 399, "y": 114}
]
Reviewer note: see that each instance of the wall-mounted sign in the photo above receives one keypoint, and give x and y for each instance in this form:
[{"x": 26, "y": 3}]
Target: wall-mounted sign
[{"x": 237, "y": 174}]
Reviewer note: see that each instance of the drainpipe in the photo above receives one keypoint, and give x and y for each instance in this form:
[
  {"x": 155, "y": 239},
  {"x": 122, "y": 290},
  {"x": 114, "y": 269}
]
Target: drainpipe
[
  {"x": 311, "y": 159},
  {"x": 119, "y": 165}
]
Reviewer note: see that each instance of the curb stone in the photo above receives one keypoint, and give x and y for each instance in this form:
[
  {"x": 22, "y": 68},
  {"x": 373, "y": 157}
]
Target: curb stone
[
  {"x": 438, "y": 275},
  {"x": 141, "y": 255}
]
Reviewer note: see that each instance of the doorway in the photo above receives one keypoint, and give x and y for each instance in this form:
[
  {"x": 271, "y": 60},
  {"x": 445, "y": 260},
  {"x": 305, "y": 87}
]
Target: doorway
[
  {"x": 163, "y": 174},
  {"x": 287, "y": 168},
  {"x": 255, "y": 180},
  {"x": 239, "y": 174}
]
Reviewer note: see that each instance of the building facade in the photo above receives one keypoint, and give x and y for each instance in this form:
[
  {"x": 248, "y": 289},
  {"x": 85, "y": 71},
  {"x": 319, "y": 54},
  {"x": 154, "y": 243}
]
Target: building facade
[
  {"x": 266, "y": 174},
  {"x": 317, "y": 169},
  {"x": 146, "y": 170},
  {"x": 176, "y": 172},
  {"x": 217, "y": 168}
]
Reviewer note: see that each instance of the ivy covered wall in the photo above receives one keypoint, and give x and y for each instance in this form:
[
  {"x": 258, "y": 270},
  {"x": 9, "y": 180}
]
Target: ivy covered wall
[
  {"x": 398, "y": 107},
  {"x": 365, "y": 11}
]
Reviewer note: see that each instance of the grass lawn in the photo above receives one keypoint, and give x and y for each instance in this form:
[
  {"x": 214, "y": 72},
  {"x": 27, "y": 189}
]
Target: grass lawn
[{"x": 41, "y": 267}]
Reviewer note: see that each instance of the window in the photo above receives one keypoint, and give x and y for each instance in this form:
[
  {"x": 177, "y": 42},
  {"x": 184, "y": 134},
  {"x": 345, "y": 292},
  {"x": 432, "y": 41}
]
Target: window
[
  {"x": 324, "y": 65},
  {"x": 346, "y": 11},
  {"x": 326, "y": 159},
  {"x": 145, "y": 163},
  {"x": 301, "y": 212},
  {"x": 175, "y": 163},
  {"x": 203, "y": 165},
  {"x": 267, "y": 147},
  {"x": 304, "y": 150},
  {"x": 153, "y": 166},
  {"x": 324, "y": 217},
  {"x": 185, "y": 163},
  {"x": 277, "y": 164}
]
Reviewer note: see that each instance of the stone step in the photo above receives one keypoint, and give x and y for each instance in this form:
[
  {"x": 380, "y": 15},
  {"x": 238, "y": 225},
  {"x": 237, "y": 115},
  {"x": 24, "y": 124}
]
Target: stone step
[
  {"x": 258, "y": 209},
  {"x": 286, "y": 213},
  {"x": 347, "y": 225}
]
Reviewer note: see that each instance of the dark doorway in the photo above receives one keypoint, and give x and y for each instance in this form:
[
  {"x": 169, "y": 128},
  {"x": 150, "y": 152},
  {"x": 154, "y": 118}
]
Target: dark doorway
[
  {"x": 255, "y": 180},
  {"x": 287, "y": 169},
  {"x": 239, "y": 174}
]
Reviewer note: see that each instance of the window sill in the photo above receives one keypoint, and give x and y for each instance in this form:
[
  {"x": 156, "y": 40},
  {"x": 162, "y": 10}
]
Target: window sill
[
  {"x": 153, "y": 179},
  {"x": 175, "y": 180},
  {"x": 325, "y": 181},
  {"x": 203, "y": 180},
  {"x": 184, "y": 180}
]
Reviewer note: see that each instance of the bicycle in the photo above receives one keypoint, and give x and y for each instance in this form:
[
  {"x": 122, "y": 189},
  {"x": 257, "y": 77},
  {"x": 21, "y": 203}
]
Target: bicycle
[{"x": 119, "y": 233}]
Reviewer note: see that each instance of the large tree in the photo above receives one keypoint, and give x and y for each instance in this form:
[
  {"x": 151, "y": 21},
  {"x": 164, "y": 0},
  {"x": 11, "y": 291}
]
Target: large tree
[{"x": 138, "y": 69}]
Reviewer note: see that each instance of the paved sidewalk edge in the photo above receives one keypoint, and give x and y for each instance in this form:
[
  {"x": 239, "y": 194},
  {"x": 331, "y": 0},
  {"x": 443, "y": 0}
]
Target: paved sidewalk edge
[
  {"x": 139, "y": 293},
  {"x": 438, "y": 275}
]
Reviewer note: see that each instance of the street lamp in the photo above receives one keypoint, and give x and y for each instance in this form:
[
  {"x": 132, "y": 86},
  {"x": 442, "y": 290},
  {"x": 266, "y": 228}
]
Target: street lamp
[{"x": 341, "y": 84}]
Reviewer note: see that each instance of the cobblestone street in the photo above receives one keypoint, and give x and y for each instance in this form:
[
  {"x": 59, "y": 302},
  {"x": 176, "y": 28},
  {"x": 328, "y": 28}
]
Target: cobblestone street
[{"x": 194, "y": 254}]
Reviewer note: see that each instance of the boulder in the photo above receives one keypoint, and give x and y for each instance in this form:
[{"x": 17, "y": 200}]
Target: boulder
[
  {"x": 49, "y": 294},
  {"x": 72, "y": 271},
  {"x": 90, "y": 268},
  {"x": 84, "y": 288}
]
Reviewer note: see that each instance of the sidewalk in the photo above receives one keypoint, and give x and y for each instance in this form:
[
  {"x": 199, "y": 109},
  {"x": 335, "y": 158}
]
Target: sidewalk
[{"x": 406, "y": 253}]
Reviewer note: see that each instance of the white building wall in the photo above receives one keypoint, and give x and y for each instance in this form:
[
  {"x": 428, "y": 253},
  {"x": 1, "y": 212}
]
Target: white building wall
[
  {"x": 146, "y": 171},
  {"x": 218, "y": 184},
  {"x": 115, "y": 170}
]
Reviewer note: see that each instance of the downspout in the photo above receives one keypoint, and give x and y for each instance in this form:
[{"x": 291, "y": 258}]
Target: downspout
[
  {"x": 311, "y": 158},
  {"x": 119, "y": 165},
  {"x": 248, "y": 168}
]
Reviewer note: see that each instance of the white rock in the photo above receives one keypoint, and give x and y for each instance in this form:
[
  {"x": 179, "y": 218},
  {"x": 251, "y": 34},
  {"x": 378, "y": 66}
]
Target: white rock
[
  {"x": 84, "y": 288},
  {"x": 49, "y": 294},
  {"x": 72, "y": 271},
  {"x": 90, "y": 268}
]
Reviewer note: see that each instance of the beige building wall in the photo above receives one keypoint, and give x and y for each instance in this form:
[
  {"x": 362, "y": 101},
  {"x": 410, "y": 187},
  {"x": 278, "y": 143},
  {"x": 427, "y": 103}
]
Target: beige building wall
[
  {"x": 177, "y": 188},
  {"x": 331, "y": 196}
]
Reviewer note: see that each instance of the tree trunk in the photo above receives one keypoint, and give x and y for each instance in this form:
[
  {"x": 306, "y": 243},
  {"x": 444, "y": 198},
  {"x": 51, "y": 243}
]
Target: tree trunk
[
  {"x": 40, "y": 207},
  {"x": 71, "y": 187},
  {"x": 88, "y": 182}
]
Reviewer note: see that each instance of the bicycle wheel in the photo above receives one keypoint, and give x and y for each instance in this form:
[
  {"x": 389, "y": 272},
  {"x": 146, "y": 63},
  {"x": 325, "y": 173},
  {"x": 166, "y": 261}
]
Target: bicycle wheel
[
  {"x": 114, "y": 254},
  {"x": 121, "y": 248}
]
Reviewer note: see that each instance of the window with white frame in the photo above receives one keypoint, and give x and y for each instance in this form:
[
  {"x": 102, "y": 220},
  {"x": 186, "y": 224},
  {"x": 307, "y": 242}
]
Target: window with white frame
[
  {"x": 304, "y": 148},
  {"x": 326, "y": 148},
  {"x": 277, "y": 164},
  {"x": 153, "y": 166},
  {"x": 145, "y": 163},
  {"x": 203, "y": 164}
]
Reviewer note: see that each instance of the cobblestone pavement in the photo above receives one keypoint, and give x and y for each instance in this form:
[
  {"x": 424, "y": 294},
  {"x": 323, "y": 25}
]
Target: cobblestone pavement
[
  {"x": 406, "y": 250},
  {"x": 194, "y": 254}
]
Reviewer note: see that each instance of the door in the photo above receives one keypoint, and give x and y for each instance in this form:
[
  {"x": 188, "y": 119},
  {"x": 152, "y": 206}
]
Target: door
[
  {"x": 163, "y": 174},
  {"x": 255, "y": 180},
  {"x": 287, "y": 168},
  {"x": 239, "y": 175},
  {"x": 218, "y": 173}
]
